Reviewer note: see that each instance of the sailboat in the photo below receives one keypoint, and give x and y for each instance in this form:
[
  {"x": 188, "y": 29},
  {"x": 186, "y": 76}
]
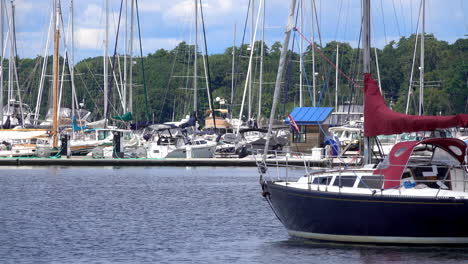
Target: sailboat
[{"x": 414, "y": 196}]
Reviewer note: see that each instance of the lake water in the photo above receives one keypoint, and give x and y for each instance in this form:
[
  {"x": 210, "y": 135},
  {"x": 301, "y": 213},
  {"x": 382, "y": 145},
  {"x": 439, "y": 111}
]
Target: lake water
[{"x": 161, "y": 215}]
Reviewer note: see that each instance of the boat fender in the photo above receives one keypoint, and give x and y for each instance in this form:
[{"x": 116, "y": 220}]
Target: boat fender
[{"x": 265, "y": 194}]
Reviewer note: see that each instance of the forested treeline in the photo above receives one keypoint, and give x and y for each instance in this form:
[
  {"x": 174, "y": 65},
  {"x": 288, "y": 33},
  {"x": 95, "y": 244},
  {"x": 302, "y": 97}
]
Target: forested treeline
[{"x": 169, "y": 79}]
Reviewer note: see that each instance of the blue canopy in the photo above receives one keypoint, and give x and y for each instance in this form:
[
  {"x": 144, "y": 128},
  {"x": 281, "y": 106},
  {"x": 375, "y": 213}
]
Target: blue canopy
[{"x": 310, "y": 115}]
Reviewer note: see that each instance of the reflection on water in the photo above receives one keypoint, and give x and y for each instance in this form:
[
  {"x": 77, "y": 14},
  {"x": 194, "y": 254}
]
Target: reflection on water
[{"x": 161, "y": 215}]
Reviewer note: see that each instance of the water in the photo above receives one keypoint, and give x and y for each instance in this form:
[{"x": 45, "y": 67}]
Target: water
[{"x": 161, "y": 215}]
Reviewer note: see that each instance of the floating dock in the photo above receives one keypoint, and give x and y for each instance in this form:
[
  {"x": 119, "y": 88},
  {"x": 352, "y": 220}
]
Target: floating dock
[{"x": 193, "y": 162}]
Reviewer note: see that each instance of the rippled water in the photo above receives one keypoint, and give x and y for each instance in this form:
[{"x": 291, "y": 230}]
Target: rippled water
[{"x": 161, "y": 215}]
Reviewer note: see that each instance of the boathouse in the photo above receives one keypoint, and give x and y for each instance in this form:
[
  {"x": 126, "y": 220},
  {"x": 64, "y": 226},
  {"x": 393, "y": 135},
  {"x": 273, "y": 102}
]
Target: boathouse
[{"x": 313, "y": 123}]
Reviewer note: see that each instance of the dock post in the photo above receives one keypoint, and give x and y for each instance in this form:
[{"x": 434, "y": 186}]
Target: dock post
[{"x": 117, "y": 145}]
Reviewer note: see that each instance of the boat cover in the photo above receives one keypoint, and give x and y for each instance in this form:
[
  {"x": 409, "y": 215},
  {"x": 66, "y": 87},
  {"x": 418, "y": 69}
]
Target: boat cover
[
  {"x": 393, "y": 167},
  {"x": 381, "y": 120}
]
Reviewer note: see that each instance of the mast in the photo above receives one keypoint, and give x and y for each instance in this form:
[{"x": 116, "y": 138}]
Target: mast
[
  {"x": 130, "y": 77},
  {"x": 10, "y": 62},
  {"x": 301, "y": 61},
  {"x": 55, "y": 75},
  {"x": 195, "y": 61},
  {"x": 124, "y": 92},
  {"x": 313, "y": 52},
  {"x": 336, "y": 77},
  {"x": 232, "y": 70},
  {"x": 249, "y": 111},
  {"x": 366, "y": 63},
  {"x": 260, "y": 86},
  {"x": 106, "y": 62},
  {"x": 1, "y": 66},
  {"x": 279, "y": 76},
  {"x": 72, "y": 60},
  {"x": 421, "y": 73}
]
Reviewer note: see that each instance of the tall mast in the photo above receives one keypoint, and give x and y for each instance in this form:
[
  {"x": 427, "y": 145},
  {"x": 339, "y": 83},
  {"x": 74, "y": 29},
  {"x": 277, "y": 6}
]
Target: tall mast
[
  {"x": 366, "y": 64},
  {"x": 249, "y": 115},
  {"x": 260, "y": 86},
  {"x": 280, "y": 74},
  {"x": 232, "y": 70},
  {"x": 195, "y": 106},
  {"x": 130, "y": 77},
  {"x": 421, "y": 73},
  {"x": 1, "y": 66},
  {"x": 55, "y": 76},
  {"x": 10, "y": 62},
  {"x": 301, "y": 62},
  {"x": 336, "y": 77},
  {"x": 124, "y": 96},
  {"x": 106, "y": 62},
  {"x": 313, "y": 52},
  {"x": 72, "y": 57}
]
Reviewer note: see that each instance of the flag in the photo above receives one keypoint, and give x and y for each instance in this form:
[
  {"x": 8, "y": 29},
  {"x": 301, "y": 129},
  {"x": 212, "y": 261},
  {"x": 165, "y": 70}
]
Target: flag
[{"x": 292, "y": 123}]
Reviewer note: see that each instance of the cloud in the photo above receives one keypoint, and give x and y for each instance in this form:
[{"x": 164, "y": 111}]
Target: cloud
[
  {"x": 149, "y": 6},
  {"x": 89, "y": 38}
]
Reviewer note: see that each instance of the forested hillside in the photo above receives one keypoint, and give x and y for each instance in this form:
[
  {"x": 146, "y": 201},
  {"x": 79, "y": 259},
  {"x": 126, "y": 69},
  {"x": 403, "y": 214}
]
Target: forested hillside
[{"x": 169, "y": 79}]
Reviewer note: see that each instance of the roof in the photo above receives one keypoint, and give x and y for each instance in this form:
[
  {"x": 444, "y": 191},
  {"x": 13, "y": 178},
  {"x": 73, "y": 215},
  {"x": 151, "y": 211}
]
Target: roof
[{"x": 310, "y": 115}]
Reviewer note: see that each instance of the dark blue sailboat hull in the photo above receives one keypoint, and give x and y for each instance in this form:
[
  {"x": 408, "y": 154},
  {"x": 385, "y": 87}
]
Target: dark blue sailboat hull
[{"x": 369, "y": 218}]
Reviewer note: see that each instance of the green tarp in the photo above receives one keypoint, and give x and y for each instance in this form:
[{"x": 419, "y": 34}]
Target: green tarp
[{"x": 125, "y": 117}]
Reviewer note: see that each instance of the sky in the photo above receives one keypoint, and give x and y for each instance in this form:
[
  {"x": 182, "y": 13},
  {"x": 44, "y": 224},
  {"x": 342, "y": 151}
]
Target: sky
[{"x": 166, "y": 23}]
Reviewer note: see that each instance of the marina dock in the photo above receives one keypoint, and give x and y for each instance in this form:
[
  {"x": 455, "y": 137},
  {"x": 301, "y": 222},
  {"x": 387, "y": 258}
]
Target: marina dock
[{"x": 86, "y": 161}]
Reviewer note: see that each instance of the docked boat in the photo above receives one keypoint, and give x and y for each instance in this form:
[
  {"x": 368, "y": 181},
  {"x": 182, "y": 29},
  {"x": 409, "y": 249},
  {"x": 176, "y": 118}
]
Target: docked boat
[
  {"x": 417, "y": 195},
  {"x": 168, "y": 141},
  {"x": 422, "y": 202}
]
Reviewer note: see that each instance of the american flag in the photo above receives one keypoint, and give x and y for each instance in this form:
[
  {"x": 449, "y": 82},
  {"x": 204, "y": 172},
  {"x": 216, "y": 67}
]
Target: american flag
[{"x": 292, "y": 123}]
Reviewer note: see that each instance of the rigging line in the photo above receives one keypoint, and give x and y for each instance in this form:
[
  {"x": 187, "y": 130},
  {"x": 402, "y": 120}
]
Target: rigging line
[
  {"x": 403, "y": 16},
  {"x": 396, "y": 18},
  {"x": 339, "y": 20},
  {"x": 318, "y": 24},
  {"x": 410, "y": 88},
  {"x": 325, "y": 57},
  {"x": 111, "y": 83},
  {"x": 141, "y": 57},
  {"x": 383, "y": 22},
  {"x": 289, "y": 64},
  {"x": 239, "y": 56},
  {"x": 168, "y": 84},
  {"x": 210, "y": 96}
]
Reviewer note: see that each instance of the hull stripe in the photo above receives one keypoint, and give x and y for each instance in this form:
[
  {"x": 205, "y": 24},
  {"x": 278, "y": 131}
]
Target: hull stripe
[{"x": 380, "y": 239}]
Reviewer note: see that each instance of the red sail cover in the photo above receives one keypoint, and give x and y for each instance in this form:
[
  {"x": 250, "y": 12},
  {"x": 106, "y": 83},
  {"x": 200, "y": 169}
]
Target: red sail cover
[{"x": 381, "y": 120}]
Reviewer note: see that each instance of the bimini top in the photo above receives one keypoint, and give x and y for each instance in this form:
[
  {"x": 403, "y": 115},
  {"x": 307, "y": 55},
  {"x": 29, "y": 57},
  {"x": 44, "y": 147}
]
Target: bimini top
[
  {"x": 310, "y": 115},
  {"x": 381, "y": 120},
  {"x": 393, "y": 166}
]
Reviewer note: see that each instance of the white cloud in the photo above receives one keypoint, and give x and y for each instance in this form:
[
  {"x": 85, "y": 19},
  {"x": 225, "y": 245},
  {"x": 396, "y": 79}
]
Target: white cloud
[
  {"x": 149, "y": 6},
  {"x": 89, "y": 38}
]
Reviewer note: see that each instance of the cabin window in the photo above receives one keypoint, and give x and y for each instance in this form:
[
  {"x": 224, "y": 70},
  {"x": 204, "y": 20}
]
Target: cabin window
[
  {"x": 344, "y": 181},
  {"x": 322, "y": 180},
  {"x": 373, "y": 182},
  {"x": 299, "y": 136}
]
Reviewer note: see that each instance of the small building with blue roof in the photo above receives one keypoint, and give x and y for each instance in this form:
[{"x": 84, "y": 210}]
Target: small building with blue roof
[{"x": 313, "y": 123}]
